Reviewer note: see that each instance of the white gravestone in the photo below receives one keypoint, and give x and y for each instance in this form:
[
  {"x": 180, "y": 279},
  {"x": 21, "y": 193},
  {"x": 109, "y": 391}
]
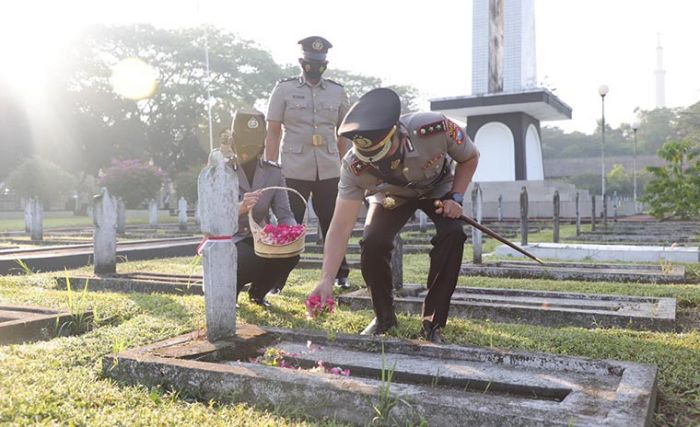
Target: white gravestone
[
  {"x": 218, "y": 206},
  {"x": 477, "y": 237},
  {"x": 105, "y": 235},
  {"x": 36, "y": 228},
  {"x": 121, "y": 216},
  {"x": 153, "y": 213},
  {"x": 27, "y": 203},
  {"x": 182, "y": 213}
]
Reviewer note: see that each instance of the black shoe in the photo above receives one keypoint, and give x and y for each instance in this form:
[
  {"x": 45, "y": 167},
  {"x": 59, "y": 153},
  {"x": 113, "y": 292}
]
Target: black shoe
[
  {"x": 262, "y": 302},
  {"x": 431, "y": 333},
  {"x": 275, "y": 291},
  {"x": 376, "y": 327},
  {"x": 342, "y": 283}
]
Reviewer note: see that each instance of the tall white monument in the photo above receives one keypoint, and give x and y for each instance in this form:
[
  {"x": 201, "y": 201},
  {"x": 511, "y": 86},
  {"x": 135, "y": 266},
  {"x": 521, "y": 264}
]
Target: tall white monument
[
  {"x": 660, "y": 74},
  {"x": 504, "y": 113}
]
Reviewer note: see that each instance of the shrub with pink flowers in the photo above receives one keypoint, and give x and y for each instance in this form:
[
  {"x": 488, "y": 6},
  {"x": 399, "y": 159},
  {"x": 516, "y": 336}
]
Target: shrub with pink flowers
[
  {"x": 281, "y": 234},
  {"x": 133, "y": 180}
]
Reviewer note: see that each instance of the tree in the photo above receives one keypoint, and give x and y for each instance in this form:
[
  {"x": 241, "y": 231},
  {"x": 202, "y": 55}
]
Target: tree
[
  {"x": 674, "y": 191},
  {"x": 133, "y": 180},
  {"x": 186, "y": 184},
  {"x": 40, "y": 178}
]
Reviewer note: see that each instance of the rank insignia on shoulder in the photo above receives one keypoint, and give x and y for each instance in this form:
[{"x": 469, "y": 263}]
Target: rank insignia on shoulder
[
  {"x": 431, "y": 128},
  {"x": 357, "y": 167},
  {"x": 334, "y": 82},
  {"x": 454, "y": 132}
]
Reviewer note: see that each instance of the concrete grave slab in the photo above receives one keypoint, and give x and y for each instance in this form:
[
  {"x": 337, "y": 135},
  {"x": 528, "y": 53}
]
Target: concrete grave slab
[
  {"x": 538, "y": 307},
  {"x": 444, "y": 385},
  {"x": 20, "y": 324},
  {"x": 74, "y": 256},
  {"x": 355, "y": 249},
  {"x": 136, "y": 282},
  {"x": 646, "y": 273},
  {"x": 625, "y": 253}
]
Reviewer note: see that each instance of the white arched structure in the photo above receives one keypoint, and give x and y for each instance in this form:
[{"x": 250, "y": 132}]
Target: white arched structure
[
  {"x": 533, "y": 155},
  {"x": 497, "y": 147}
]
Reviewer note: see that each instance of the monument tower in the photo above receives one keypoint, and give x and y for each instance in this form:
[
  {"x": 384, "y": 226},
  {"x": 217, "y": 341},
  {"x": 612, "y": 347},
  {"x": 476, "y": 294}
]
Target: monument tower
[
  {"x": 660, "y": 75},
  {"x": 503, "y": 114}
]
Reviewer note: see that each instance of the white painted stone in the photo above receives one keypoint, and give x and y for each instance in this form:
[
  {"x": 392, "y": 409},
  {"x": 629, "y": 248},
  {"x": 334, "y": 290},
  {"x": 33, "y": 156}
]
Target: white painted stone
[
  {"x": 218, "y": 205},
  {"x": 196, "y": 212},
  {"x": 477, "y": 238},
  {"x": 496, "y": 144},
  {"x": 36, "y": 228},
  {"x": 153, "y": 213},
  {"x": 27, "y": 205},
  {"x": 121, "y": 216},
  {"x": 182, "y": 213},
  {"x": 422, "y": 221},
  {"x": 625, "y": 253},
  {"x": 105, "y": 235}
]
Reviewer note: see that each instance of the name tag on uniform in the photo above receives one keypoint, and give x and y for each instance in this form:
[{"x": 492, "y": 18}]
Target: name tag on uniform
[{"x": 316, "y": 140}]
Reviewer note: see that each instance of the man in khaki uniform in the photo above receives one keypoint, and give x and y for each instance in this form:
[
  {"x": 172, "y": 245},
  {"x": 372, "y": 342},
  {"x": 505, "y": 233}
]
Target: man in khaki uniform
[
  {"x": 403, "y": 163},
  {"x": 303, "y": 114}
]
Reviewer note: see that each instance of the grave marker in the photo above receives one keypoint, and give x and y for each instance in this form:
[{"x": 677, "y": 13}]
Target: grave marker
[
  {"x": 121, "y": 216},
  {"x": 182, "y": 214},
  {"x": 37, "y": 220},
  {"x": 578, "y": 215},
  {"x": 105, "y": 237},
  {"x": 523, "y": 216},
  {"x": 477, "y": 238},
  {"x": 592, "y": 212},
  {"x": 217, "y": 188},
  {"x": 153, "y": 213},
  {"x": 555, "y": 214}
]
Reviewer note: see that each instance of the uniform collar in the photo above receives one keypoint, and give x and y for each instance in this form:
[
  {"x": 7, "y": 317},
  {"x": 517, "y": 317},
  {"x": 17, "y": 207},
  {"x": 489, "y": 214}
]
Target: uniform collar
[{"x": 302, "y": 82}]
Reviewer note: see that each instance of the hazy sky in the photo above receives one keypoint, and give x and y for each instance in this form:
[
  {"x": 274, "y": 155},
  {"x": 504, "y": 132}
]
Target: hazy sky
[{"x": 580, "y": 43}]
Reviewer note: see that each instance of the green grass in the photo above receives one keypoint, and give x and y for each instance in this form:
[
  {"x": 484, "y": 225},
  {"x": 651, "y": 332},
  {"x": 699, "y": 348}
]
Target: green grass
[
  {"x": 58, "y": 219},
  {"x": 60, "y": 381}
]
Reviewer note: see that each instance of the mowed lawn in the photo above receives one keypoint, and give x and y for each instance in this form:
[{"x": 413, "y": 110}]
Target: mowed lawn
[
  {"x": 60, "y": 381},
  {"x": 14, "y": 221}
]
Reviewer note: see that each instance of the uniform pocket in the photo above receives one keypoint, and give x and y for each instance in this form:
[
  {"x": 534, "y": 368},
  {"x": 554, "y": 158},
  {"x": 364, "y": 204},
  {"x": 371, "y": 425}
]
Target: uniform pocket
[
  {"x": 291, "y": 147},
  {"x": 329, "y": 111}
]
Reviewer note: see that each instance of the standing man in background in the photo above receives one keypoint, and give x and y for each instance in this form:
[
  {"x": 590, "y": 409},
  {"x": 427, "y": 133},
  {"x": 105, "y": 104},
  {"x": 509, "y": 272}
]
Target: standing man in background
[{"x": 309, "y": 109}]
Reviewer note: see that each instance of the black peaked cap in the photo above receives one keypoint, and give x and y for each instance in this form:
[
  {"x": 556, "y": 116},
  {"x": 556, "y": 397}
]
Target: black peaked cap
[{"x": 375, "y": 113}]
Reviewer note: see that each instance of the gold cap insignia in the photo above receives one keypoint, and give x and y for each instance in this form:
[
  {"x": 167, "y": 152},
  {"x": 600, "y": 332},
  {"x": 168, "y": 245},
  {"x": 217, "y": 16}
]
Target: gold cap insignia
[
  {"x": 361, "y": 141},
  {"x": 253, "y": 123},
  {"x": 317, "y": 44}
]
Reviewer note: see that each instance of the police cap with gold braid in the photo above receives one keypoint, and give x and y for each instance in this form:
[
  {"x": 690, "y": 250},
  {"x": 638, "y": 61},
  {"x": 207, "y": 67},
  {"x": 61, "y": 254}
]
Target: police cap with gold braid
[{"x": 371, "y": 122}]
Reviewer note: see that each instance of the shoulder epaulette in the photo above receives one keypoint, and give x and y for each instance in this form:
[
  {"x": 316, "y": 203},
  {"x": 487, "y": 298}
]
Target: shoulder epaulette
[
  {"x": 334, "y": 82},
  {"x": 431, "y": 128},
  {"x": 271, "y": 163},
  {"x": 288, "y": 79}
]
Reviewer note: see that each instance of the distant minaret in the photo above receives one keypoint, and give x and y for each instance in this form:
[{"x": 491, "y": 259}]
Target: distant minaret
[{"x": 660, "y": 75}]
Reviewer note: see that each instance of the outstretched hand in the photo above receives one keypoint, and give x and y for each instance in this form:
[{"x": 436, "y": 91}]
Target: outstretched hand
[{"x": 322, "y": 293}]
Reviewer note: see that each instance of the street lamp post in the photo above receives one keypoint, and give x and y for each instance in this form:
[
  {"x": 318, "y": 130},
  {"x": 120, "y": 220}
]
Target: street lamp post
[
  {"x": 635, "y": 128},
  {"x": 602, "y": 91}
]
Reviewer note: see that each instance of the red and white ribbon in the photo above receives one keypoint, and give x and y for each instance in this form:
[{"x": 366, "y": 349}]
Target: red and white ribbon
[{"x": 211, "y": 239}]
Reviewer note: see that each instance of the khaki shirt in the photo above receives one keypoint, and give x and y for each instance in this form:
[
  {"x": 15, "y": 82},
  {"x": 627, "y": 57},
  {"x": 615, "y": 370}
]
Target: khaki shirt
[
  {"x": 267, "y": 174},
  {"x": 433, "y": 140},
  {"x": 310, "y": 116}
]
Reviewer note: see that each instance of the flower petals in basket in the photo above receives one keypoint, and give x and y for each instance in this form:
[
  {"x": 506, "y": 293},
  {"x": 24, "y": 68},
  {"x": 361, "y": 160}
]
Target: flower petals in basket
[{"x": 281, "y": 234}]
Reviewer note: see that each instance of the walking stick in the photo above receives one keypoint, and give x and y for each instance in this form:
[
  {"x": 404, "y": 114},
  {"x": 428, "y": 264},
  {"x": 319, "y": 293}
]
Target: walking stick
[{"x": 483, "y": 228}]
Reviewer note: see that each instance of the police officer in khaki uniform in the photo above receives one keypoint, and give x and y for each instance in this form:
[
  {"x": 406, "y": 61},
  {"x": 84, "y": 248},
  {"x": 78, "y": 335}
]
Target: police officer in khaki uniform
[
  {"x": 403, "y": 163},
  {"x": 254, "y": 173},
  {"x": 303, "y": 114}
]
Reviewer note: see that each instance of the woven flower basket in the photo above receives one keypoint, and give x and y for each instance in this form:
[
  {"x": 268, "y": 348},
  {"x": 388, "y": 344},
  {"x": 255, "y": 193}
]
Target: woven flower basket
[{"x": 288, "y": 250}]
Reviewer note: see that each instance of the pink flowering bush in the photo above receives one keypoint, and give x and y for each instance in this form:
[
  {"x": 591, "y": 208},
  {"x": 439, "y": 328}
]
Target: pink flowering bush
[
  {"x": 314, "y": 306},
  {"x": 133, "y": 180},
  {"x": 281, "y": 234}
]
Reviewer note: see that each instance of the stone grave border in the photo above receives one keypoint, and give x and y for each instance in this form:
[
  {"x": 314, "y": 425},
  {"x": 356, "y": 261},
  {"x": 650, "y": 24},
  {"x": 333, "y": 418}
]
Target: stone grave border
[
  {"x": 664, "y": 317},
  {"x": 188, "y": 363},
  {"x": 638, "y": 273},
  {"x": 137, "y": 282},
  {"x": 38, "y": 324}
]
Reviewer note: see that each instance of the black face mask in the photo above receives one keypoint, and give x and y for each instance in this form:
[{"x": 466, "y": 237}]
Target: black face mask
[{"x": 313, "y": 69}]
